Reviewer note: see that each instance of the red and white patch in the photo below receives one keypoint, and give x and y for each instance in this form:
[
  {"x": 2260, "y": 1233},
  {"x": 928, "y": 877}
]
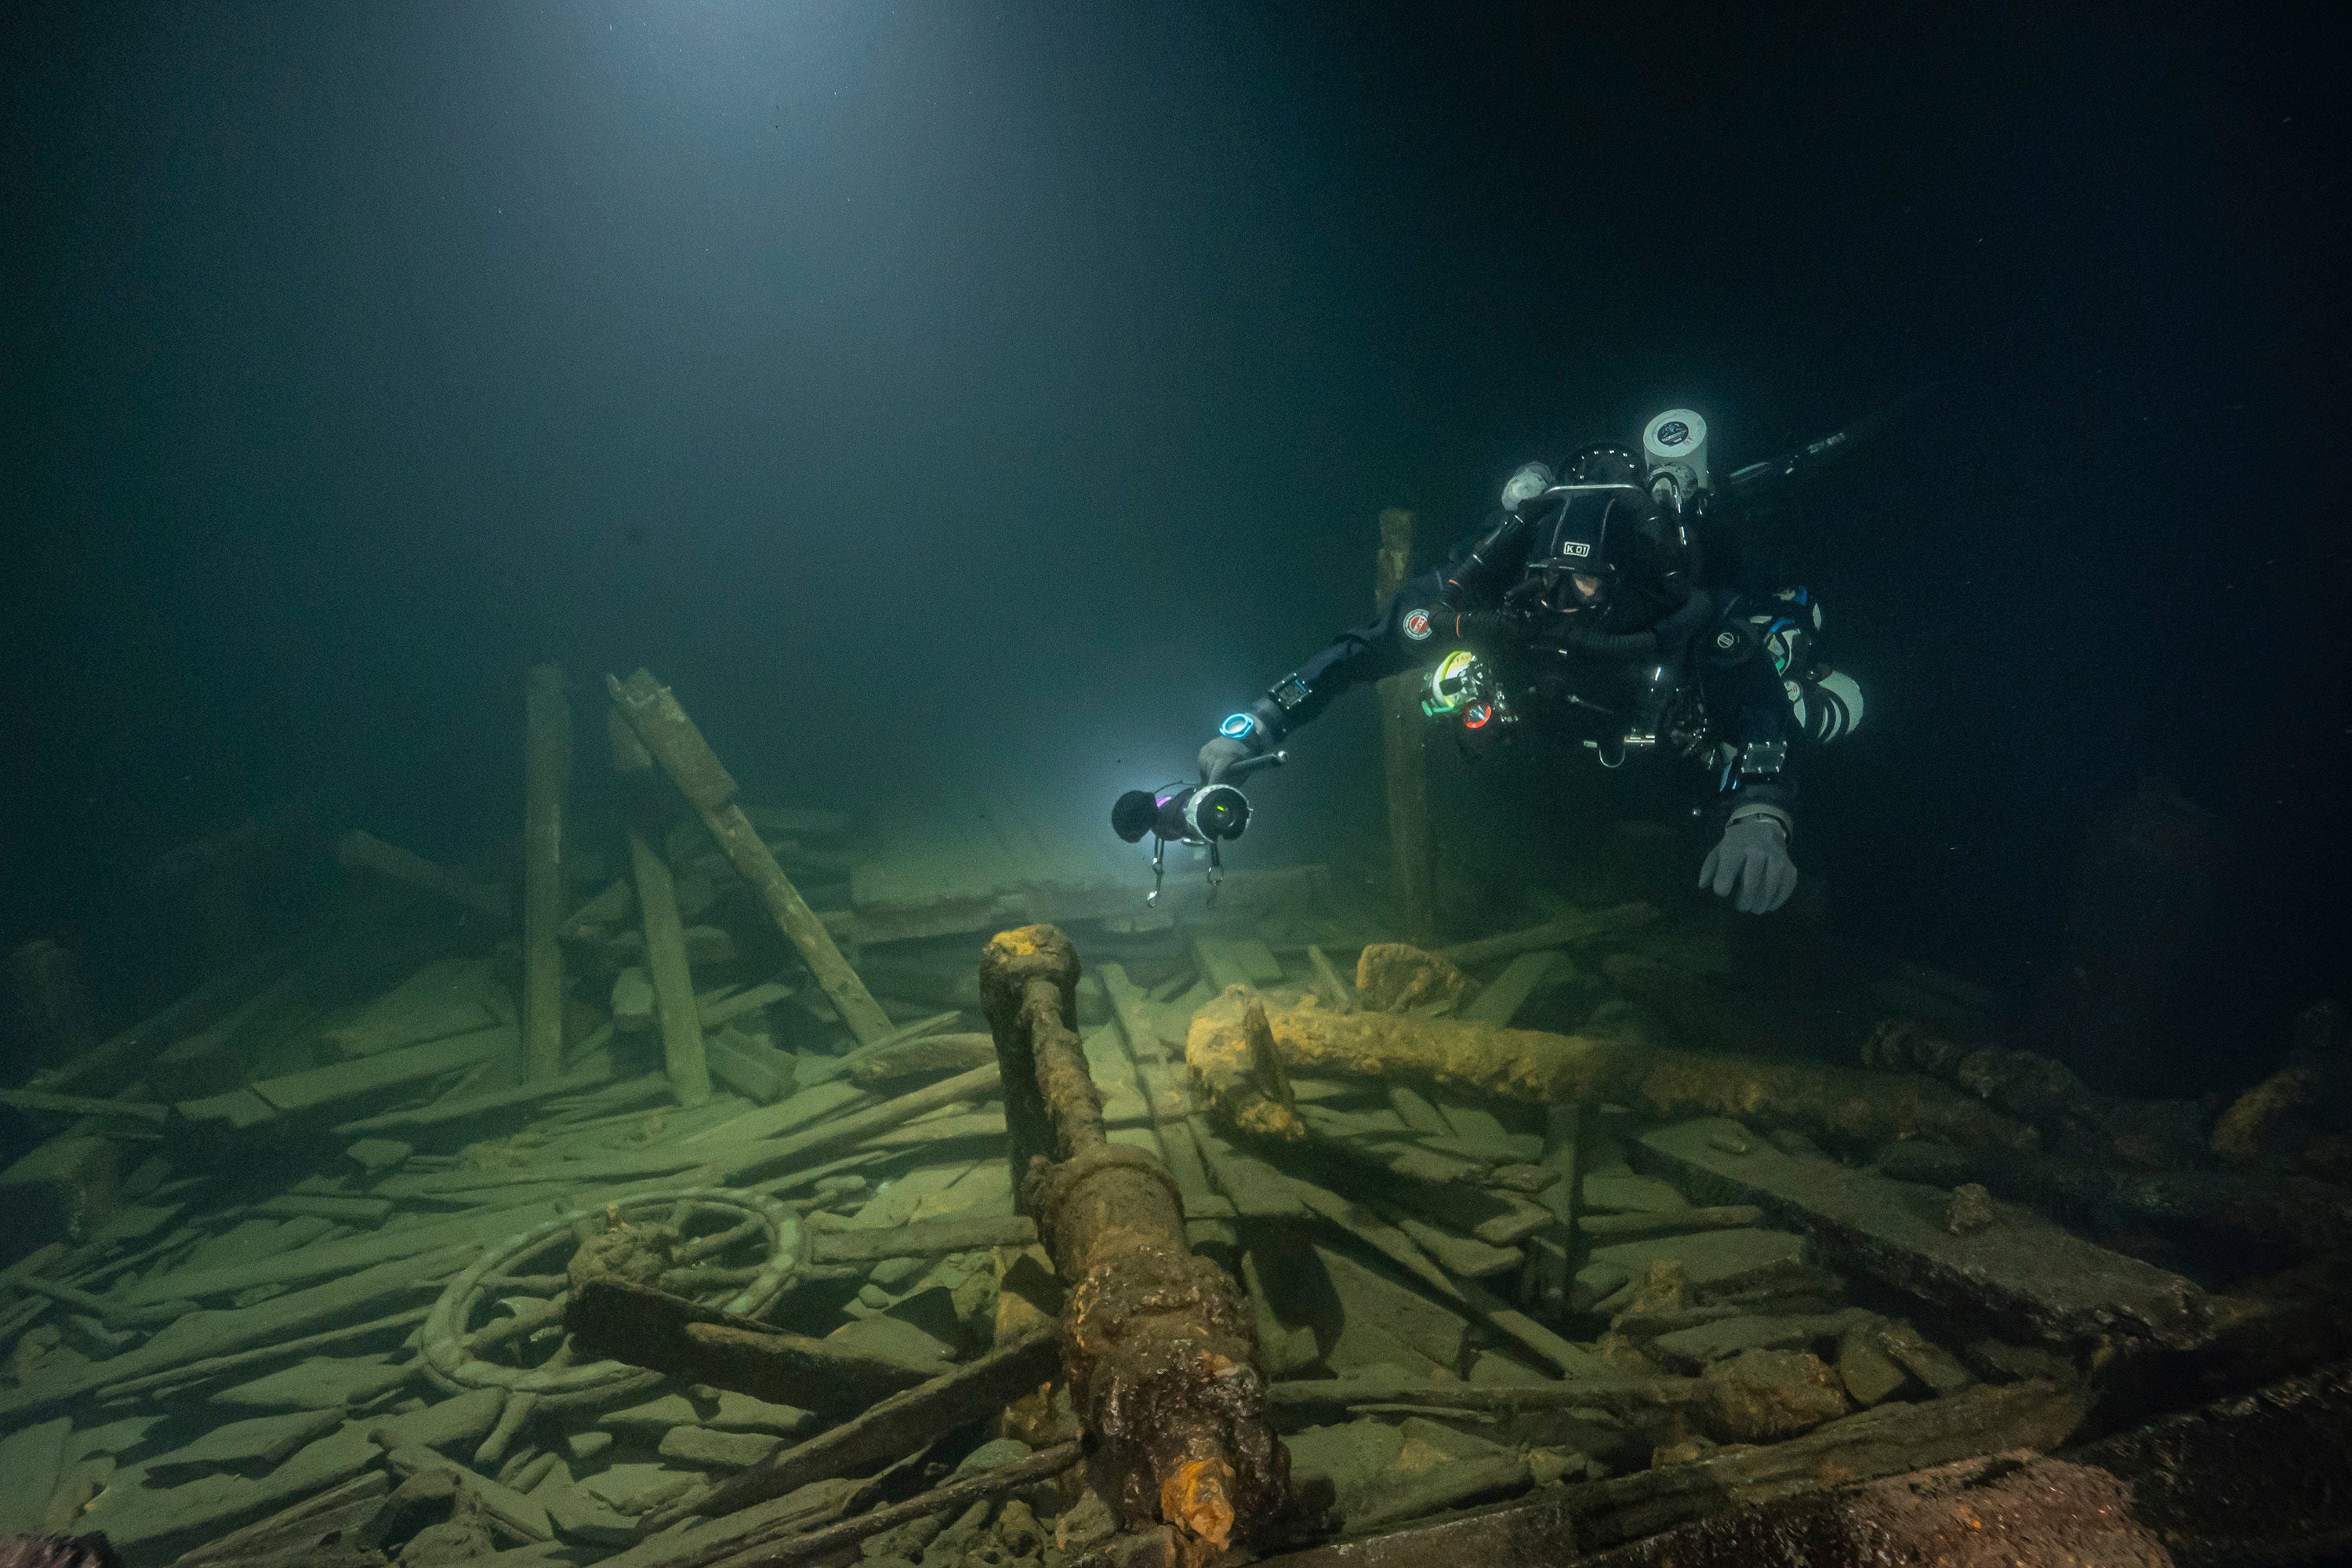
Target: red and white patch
[{"x": 1416, "y": 625}]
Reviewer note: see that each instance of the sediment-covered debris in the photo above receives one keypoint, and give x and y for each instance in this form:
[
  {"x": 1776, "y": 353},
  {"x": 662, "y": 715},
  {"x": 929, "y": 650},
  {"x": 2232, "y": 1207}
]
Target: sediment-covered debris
[{"x": 379, "y": 1248}]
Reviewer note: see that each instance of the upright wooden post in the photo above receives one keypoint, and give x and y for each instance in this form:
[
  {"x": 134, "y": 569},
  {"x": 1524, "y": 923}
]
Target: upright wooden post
[
  {"x": 674, "y": 1014},
  {"x": 1412, "y": 878},
  {"x": 547, "y": 777}
]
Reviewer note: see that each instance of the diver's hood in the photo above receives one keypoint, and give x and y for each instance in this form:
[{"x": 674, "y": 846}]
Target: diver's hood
[{"x": 1576, "y": 535}]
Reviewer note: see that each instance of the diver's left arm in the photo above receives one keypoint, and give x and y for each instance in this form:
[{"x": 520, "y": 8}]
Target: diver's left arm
[
  {"x": 1757, "y": 797},
  {"x": 1776, "y": 705}
]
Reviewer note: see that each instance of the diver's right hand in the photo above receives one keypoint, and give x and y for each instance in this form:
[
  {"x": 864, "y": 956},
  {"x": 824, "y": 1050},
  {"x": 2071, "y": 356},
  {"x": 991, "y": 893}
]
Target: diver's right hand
[{"x": 1220, "y": 755}]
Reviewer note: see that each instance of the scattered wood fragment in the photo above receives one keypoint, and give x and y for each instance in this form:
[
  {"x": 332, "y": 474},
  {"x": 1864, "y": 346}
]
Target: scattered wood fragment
[
  {"x": 645, "y": 1327},
  {"x": 900, "y": 1424},
  {"x": 922, "y": 1238},
  {"x": 715, "y": 1011},
  {"x": 80, "y": 1105},
  {"x": 1334, "y": 988},
  {"x": 1508, "y": 992},
  {"x": 819, "y": 1070},
  {"x": 933, "y": 1053},
  {"x": 192, "y": 1012},
  {"x": 1607, "y": 1227},
  {"x": 443, "y": 1112},
  {"x": 203, "y": 1336},
  {"x": 953, "y": 1497},
  {"x": 778, "y": 1154},
  {"x": 360, "y": 850},
  {"x": 511, "y": 1511},
  {"x": 1566, "y": 931},
  {"x": 673, "y": 978},
  {"x": 2022, "y": 1270},
  {"x": 748, "y": 1067}
]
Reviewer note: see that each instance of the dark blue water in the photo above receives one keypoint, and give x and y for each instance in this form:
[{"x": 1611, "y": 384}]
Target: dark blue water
[{"x": 923, "y": 390}]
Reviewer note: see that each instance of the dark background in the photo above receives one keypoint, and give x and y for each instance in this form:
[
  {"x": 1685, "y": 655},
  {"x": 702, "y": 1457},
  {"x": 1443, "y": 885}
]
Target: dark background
[{"x": 931, "y": 389}]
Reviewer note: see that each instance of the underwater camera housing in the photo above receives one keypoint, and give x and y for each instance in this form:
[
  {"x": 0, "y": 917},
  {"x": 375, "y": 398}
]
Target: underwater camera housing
[
  {"x": 1192, "y": 814},
  {"x": 1207, "y": 815}
]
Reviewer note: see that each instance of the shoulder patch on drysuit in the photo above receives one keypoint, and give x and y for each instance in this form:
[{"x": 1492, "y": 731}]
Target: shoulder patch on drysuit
[{"x": 1416, "y": 623}]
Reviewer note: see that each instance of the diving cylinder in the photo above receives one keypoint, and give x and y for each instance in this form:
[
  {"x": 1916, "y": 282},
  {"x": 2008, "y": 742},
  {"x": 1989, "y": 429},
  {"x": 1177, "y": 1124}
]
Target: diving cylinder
[{"x": 1675, "y": 443}]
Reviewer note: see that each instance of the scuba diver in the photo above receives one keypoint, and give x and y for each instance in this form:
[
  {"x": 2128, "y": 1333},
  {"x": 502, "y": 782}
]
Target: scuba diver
[{"x": 1598, "y": 607}]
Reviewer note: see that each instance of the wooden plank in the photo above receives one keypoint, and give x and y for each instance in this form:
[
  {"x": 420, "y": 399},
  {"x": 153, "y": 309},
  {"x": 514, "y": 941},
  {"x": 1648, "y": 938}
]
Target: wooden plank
[
  {"x": 387, "y": 1069},
  {"x": 768, "y": 1157},
  {"x": 598, "y": 1071},
  {"x": 201, "y": 1336},
  {"x": 1259, "y": 1191},
  {"x": 344, "y": 1256},
  {"x": 2022, "y": 1270},
  {"x": 1508, "y": 992},
  {"x": 739, "y": 1062},
  {"x": 1127, "y": 1009},
  {"x": 1124, "y": 1101},
  {"x": 1183, "y": 1157},
  {"x": 1338, "y": 992},
  {"x": 1235, "y": 960},
  {"x": 1566, "y": 931},
  {"x": 767, "y": 994},
  {"x": 810, "y": 1105},
  {"x": 79, "y": 1105},
  {"x": 672, "y": 976}
]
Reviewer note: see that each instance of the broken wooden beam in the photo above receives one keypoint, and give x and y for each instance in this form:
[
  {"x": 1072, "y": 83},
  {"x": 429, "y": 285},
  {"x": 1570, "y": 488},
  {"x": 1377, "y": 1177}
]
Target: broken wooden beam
[
  {"x": 360, "y": 850},
  {"x": 834, "y": 1541},
  {"x": 2022, "y": 1270},
  {"x": 1163, "y": 1364},
  {"x": 921, "y": 1238},
  {"x": 665, "y": 731},
  {"x": 191, "y": 1012},
  {"x": 764, "y": 1159},
  {"x": 547, "y": 776},
  {"x": 653, "y": 1329},
  {"x": 202, "y": 1336},
  {"x": 901, "y": 1424},
  {"x": 318, "y": 1089},
  {"x": 2011, "y": 1508},
  {"x": 82, "y": 1105},
  {"x": 464, "y": 1106},
  {"x": 2294, "y": 1216},
  {"x": 673, "y": 979},
  {"x": 1564, "y": 930},
  {"x": 933, "y": 1053},
  {"x": 1890, "y": 1440},
  {"x": 190, "y": 1374}
]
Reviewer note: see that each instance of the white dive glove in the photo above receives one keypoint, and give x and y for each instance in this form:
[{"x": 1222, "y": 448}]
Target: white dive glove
[
  {"x": 1750, "y": 864},
  {"x": 1219, "y": 756}
]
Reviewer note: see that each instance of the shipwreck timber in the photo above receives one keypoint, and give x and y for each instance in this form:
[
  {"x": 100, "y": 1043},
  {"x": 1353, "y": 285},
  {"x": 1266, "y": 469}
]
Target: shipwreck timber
[{"x": 1269, "y": 1231}]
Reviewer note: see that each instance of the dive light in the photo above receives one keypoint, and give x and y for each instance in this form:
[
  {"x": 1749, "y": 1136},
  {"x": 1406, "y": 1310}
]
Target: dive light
[
  {"x": 1207, "y": 815},
  {"x": 1195, "y": 814}
]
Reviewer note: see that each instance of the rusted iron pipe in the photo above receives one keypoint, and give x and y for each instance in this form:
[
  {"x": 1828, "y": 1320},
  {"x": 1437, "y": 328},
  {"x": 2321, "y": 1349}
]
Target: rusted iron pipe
[{"x": 1160, "y": 1350}]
